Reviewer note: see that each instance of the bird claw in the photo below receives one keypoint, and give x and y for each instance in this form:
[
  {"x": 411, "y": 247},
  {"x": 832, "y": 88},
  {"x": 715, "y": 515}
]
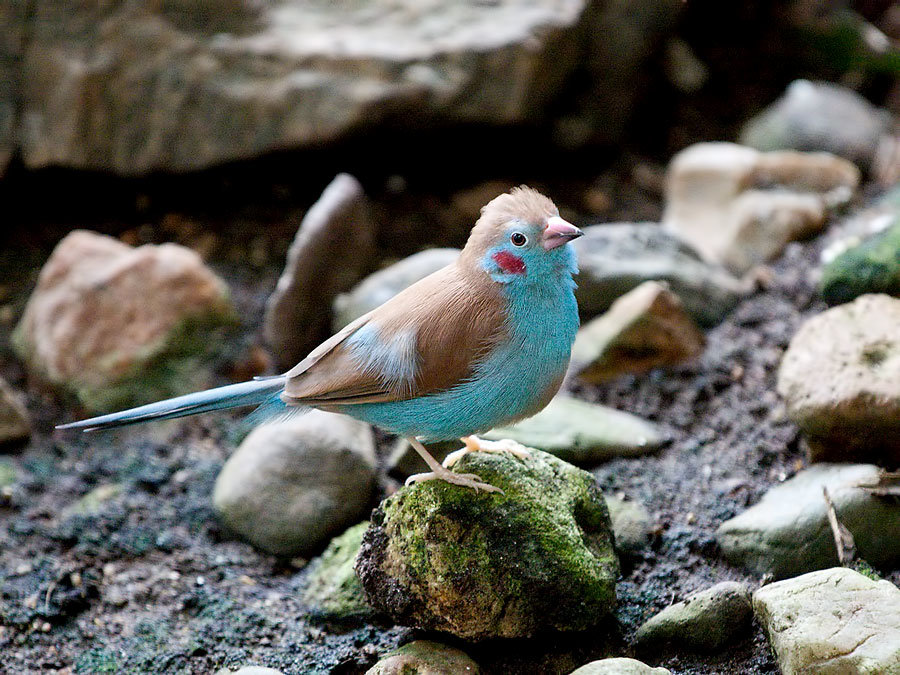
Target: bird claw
[
  {"x": 475, "y": 444},
  {"x": 464, "y": 479}
]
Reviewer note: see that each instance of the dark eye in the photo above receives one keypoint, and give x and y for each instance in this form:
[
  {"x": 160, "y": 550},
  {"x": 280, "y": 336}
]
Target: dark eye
[{"x": 518, "y": 239}]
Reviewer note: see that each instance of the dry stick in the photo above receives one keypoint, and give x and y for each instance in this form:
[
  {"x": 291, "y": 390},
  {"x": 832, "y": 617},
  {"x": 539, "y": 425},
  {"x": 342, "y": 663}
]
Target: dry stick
[{"x": 843, "y": 539}]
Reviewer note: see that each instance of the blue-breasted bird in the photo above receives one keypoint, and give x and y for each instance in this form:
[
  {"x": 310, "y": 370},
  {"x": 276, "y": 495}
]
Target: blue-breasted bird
[{"x": 480, "y": 343}]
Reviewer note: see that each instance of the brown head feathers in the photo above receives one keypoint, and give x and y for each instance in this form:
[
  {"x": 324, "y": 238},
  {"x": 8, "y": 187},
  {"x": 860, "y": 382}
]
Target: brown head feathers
[{"x": 521, "y": 203}]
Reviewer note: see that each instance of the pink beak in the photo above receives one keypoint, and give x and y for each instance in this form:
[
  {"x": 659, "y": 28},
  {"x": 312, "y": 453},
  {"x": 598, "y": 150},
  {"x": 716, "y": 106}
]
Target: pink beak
[{"x": 558, "y": 232}]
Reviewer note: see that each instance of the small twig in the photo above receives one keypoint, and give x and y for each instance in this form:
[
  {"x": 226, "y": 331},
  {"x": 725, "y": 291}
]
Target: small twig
[
  {"x": 843, "y": 539},
  {"x": 887, "y": 485}
]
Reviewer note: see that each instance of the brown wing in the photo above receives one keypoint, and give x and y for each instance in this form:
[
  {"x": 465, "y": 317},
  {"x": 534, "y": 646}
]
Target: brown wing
[{"x": 449, "y": 320}]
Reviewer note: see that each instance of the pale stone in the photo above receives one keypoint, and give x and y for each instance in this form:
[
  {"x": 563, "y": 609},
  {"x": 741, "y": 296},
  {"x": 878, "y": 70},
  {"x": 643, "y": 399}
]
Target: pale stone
[
  {"x": 425, "y": 657},
  {"x": 15, "y": 425},
  {"x": 832, "y": 622},
  {"x": 840, "y": 379},
  {"x": 740, "y": 207},
  {"x": 619, "y": 666}
]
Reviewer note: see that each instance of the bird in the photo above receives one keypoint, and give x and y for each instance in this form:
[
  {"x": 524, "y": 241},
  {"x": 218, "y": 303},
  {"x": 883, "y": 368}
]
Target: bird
[{"x": 480, "y": 343}]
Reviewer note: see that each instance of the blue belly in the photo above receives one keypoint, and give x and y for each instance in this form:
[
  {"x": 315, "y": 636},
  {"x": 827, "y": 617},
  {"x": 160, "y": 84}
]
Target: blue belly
[{"x": 504, "y": 386}]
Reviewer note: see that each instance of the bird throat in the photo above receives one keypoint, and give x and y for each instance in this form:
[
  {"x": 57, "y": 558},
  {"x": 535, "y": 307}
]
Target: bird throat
[{"x": 509, "y": 263}]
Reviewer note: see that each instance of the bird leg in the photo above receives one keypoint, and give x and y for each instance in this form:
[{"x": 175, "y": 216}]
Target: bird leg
[
  {"x": 439, "y": 472},
  {"x": 475, "y": 444}
]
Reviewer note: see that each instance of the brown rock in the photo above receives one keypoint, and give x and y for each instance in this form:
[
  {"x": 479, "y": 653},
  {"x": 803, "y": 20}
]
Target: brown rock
[
  {"x": 332, "y": 249},
  {"x": 644, "y": 329},
  {"x": 840, "y": 379},
  {"x": 14, "y": 422},
  {"x": 120, "y": 325}
]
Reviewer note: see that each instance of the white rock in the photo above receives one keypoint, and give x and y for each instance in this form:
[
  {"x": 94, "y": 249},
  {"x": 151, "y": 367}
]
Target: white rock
[
  {"x": 619, "y": 666},
  {"x": 840, "y": 379},
  {"x": 832, "y": 621},
  {"x": 293, "y": 485},
  {"x": 740, "y": 207}
]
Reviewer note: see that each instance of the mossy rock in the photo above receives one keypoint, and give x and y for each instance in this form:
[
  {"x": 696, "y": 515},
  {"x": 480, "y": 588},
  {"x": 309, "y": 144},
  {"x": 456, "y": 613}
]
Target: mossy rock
[
  {"x": 537, "y": 557},
  {"x": 870, "y": 267},
  {"x": 334, "y": 592}
]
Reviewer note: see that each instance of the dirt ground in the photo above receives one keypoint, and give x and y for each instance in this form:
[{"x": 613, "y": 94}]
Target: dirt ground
[{"x": 149, "y": 582}]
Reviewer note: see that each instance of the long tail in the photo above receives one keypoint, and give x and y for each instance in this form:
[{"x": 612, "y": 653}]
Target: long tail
[{"x": 254, "y": 392}]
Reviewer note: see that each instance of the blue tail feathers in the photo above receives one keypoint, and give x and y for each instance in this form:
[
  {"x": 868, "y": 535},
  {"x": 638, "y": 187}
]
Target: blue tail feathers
[{"x": 254, "y": 392}]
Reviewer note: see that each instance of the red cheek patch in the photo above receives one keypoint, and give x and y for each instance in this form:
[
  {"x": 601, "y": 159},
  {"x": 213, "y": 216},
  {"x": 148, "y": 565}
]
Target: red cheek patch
[{"x": 509, "y": 263}]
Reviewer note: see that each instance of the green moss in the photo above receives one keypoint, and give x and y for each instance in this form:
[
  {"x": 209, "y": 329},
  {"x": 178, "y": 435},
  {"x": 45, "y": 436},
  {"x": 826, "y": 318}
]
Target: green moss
[
  {"x": 96, "y": 661},
  {"x": 537, "y": 556},
  {"x": 871, "y": 267},
  {"x": 866, "y": 570},
  {"x": 8, "y": 474},
  {"x": 334, "y": 591}
]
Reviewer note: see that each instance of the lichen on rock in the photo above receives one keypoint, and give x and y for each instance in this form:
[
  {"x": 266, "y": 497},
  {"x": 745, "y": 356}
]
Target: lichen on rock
[{"x": 537, "y": 557}]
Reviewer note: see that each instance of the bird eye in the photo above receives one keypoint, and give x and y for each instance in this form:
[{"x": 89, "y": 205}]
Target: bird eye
[{"x": 518, "y": 239}]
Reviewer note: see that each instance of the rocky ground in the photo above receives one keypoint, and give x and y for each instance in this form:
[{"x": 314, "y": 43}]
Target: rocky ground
[{"x": 114, "y": 560}]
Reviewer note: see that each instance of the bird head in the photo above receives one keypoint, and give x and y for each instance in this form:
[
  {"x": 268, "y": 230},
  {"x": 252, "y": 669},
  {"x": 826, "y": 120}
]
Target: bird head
[{"x": 521, "y": 239}]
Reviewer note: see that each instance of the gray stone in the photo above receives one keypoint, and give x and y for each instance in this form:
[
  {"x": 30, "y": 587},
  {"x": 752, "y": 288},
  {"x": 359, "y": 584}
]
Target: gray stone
[
  {"x": 15, "y": 425},
  {"x": 293, "y": 485},
  {"x": 583, "y": 433},
  {"x": 381, "y": 286},
  {"x": 425, "y": 657},
  {"x": 615, "y": 258},
  {"x": 122, "y": 326},
  {"x": 334, "y": 592},
  {"x": 820, "y": 116},
  {"x": 840, "y": 379},
  {"x": 177, "y": 86},
  {"x": 706, "y": 621},
  {"x": 536, "y": 557},
  {"x": 644, "y": 329},
  {"x": 787, "y": 532},
  {"x": 740, "y": 207},
  {"x": 331, "y": 250},
  {"x": 250, "y": 670},
  {"x": 832, "y": 621},
  {"x": 575, "y": 431},
  {"x": 619, "y": 666},
  {"x": 631, "y": 524}
]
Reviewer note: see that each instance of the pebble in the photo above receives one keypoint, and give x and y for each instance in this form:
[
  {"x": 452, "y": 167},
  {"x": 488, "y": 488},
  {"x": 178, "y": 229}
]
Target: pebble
[
  {"x": 292, "y": 485},
  {"x": 840, "y": 379},
  {"x": 619, "y": 666},
  {"x": 706, "y": 621},
  {"x": 871, "y": 266},
  {"x": 832, "y": 621},
  {"x": 644, "y": 329},
  {"x": 15, "y": 425},
  {"x": 333, "y": 592},
  {"x": 787, "y": 532},
  {"x": 332, "y": 249},
  {"x": 425, "y": 657},
  {"x": 631, "y": 524}
]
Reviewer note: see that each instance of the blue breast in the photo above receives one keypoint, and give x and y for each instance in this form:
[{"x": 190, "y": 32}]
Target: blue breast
[{"x": 507, "y": 383}]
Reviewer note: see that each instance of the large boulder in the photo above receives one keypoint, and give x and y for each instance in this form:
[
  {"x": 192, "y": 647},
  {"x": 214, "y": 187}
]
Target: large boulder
[
  {"x": 840, "y": 379},
  {"x": 538, "y": 556},
  {"x": 292, "y": 485},
  {"x": 119, "y": 325},
  {"x": 739, "y": 207},
  {"x": 142, "y": 86},
  {"x": 832, "y": 621}
]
